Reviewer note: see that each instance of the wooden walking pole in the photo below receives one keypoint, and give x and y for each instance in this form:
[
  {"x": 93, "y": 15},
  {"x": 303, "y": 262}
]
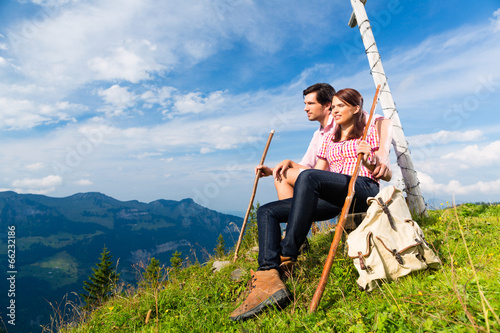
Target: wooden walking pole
[
  {"x": 342, "y": 219},
  {"x": 256, "y": 181}
]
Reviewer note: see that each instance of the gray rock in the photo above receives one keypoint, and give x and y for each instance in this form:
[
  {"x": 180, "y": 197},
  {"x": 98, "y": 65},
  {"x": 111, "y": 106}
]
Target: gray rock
[
  {"x": 237, "y": 274},
  {"x": 218, "y": 265}
]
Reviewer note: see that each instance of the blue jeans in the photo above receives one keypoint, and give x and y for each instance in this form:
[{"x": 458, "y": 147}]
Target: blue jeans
[{"x": 318, "y": 195}]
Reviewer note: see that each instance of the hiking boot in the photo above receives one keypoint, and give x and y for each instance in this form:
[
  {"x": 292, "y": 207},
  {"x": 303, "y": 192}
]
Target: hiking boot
[
  {"x": 286, "y": 267},
  {"x": 267, "y": 290}
]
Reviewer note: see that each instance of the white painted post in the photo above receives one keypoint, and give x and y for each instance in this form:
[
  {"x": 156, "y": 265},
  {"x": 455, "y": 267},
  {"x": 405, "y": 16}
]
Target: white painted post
[{"x": 415, "y": 199}]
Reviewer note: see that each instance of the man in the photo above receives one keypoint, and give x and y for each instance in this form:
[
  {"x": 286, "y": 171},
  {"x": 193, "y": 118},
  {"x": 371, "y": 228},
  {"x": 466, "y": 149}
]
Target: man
[{"x": 318, "y": 101}]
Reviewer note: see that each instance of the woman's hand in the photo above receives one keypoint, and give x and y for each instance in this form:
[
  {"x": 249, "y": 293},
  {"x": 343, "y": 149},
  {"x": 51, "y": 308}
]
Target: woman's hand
[
  {"x": 280, "y": 169},
  {"x": 365, "y": 149}
]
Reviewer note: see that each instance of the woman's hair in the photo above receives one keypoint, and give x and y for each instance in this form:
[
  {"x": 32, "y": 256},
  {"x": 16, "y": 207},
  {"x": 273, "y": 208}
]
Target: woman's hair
[{"x": 352, "y": 98}]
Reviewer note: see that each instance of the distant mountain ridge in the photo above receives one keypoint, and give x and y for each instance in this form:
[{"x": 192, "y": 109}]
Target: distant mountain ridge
[{"x": 58, "y": 240}]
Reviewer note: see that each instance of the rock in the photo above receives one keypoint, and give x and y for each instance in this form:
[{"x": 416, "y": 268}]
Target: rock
[
  {"x": 237, "y": 274},
  {"x": 218, "y": 265}
]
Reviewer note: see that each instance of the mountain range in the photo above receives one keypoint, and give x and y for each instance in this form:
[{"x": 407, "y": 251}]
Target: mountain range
[{"x": 59, "y": 240}]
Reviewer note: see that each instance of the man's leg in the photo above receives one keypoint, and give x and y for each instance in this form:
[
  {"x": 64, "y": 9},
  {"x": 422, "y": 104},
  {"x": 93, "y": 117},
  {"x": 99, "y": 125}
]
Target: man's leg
[
  {"x": 284, "y": 187},
  {"x": 267, "y": 289},
  {"x": 269, "y": 217}
]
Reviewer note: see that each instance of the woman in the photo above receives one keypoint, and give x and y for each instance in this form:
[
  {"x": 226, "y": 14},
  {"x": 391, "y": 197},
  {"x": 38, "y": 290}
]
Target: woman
[{"x": 318, "y": 195}]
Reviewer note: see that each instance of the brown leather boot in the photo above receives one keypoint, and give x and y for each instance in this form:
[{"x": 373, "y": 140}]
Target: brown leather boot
[
  {"x": 286, "y": 267},
  {"x": 267, "y": 289}
]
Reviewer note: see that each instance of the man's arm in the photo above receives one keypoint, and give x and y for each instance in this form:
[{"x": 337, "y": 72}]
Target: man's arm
[
  {"x": 263, "y": 171},
  {"x": 311, "y": 155}
]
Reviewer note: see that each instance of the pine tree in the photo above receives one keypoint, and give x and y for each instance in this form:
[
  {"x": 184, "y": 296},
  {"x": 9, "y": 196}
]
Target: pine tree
[
  {"x": 100, "y": 285},
  {"x": 176, "y": 260},
  {"x": 220, "y": 248},
  {"x": 153, "y": 274}
]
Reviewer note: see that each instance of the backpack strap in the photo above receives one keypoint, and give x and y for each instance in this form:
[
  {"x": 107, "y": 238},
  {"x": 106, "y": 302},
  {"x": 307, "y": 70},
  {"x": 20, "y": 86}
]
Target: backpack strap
[{"x": 388, "y": 213}]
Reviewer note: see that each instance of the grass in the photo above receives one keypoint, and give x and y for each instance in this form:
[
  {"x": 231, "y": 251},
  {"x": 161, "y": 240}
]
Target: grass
[{"x": 462, "y": 296}]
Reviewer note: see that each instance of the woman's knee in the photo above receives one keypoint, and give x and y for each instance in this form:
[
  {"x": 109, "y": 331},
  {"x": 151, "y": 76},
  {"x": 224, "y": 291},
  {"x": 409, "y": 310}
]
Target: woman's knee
[{"x": 304, "y": 177}]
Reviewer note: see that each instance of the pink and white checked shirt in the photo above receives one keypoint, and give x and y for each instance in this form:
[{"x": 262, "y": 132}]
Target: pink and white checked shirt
[
  {"x": 311, "y": 156},
  {"x": 341, "y": 156}
]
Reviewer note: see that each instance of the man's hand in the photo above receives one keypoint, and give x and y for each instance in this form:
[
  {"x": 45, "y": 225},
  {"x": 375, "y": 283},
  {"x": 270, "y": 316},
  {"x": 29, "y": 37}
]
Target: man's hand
[{"x": 263, "y": 171}]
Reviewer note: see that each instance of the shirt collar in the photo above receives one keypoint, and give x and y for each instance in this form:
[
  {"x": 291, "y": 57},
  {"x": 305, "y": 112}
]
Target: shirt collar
[{"x": 328, "y": 126}]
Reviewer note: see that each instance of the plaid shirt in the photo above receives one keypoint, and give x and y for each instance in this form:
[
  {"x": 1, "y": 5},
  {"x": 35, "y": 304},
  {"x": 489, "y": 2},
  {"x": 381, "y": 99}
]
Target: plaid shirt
[{"x": 341, "y": 156}]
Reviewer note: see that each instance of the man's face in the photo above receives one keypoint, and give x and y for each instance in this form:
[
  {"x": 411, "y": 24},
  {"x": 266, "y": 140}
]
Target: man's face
[{"x": 315, "y": 111}]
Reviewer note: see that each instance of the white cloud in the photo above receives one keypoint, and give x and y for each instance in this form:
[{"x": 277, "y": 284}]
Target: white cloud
[
  {"x": 476, "y": 155},
  {"x": 194, "y": 102},
  {"x": 205, "y": 150},
  {"x": 25, "y": 114},
  {"x": 496, "y": 21},
  {"x": 428, "y": 184},
  {"x": 53, "y": 3},
  {"x": 37, "y": 185},
  {"x": 84, "y": 182},
  {"x": 36, "y": 166},
  {"x": 124, "y": 65},
  {"x": 146, "y": 155},
  {"x": 118, "y": 98},
  {"x": 161, "y": 95},
  {"x": 444, "y": 137}
]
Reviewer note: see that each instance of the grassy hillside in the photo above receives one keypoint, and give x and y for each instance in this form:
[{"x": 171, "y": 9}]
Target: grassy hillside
[{"x": 463, "y": 296}]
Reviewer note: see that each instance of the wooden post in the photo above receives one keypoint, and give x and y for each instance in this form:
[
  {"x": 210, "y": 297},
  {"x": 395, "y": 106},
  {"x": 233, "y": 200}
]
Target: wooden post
[{"x": 360, "y": 18}]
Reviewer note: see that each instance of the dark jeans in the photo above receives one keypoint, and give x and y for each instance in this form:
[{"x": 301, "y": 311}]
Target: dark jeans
[{"x": 318, "y": 195}]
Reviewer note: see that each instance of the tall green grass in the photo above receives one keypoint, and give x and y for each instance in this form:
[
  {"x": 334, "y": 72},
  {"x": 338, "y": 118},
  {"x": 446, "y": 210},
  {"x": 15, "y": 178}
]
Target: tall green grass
[{"x": 462, "y": 296}]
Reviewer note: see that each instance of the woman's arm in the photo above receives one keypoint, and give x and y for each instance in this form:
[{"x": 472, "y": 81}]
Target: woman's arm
[
  {"x": 365, "y": 149},
  {"x": 321, "y": 164}
]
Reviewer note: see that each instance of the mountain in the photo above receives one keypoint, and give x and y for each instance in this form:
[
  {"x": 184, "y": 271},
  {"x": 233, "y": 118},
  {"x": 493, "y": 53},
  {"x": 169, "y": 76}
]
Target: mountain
[{"x": 58, "y": 241}]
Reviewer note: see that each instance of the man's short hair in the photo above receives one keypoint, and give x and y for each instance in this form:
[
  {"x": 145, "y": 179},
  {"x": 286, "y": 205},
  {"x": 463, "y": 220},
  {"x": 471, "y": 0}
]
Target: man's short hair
[{"x": 324, "y": 92}]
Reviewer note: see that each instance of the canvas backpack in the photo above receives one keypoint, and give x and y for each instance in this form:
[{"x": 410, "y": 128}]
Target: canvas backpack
[{"x": 388, "y": 243}]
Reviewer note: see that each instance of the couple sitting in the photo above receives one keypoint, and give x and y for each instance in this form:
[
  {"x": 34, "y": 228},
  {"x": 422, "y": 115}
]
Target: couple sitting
[{"x": 315, "y": 193}]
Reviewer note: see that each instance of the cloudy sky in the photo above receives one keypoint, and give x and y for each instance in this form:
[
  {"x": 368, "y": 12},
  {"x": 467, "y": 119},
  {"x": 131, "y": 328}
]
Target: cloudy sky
[{"x": 142, "y": 99}]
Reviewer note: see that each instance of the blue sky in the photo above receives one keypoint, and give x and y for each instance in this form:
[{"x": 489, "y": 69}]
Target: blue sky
[{"x": 144, "y": 100}]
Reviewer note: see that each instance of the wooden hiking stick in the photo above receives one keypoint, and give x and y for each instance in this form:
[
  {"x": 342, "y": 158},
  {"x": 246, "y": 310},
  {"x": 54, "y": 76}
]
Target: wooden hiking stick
[
  {"x": 256, "y": 181},
  {"x": 342, "y": 219}
]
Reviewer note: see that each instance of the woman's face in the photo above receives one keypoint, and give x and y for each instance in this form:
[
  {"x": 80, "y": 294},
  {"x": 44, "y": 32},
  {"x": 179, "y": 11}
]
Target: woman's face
[{"x": 342, "y": 112}]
